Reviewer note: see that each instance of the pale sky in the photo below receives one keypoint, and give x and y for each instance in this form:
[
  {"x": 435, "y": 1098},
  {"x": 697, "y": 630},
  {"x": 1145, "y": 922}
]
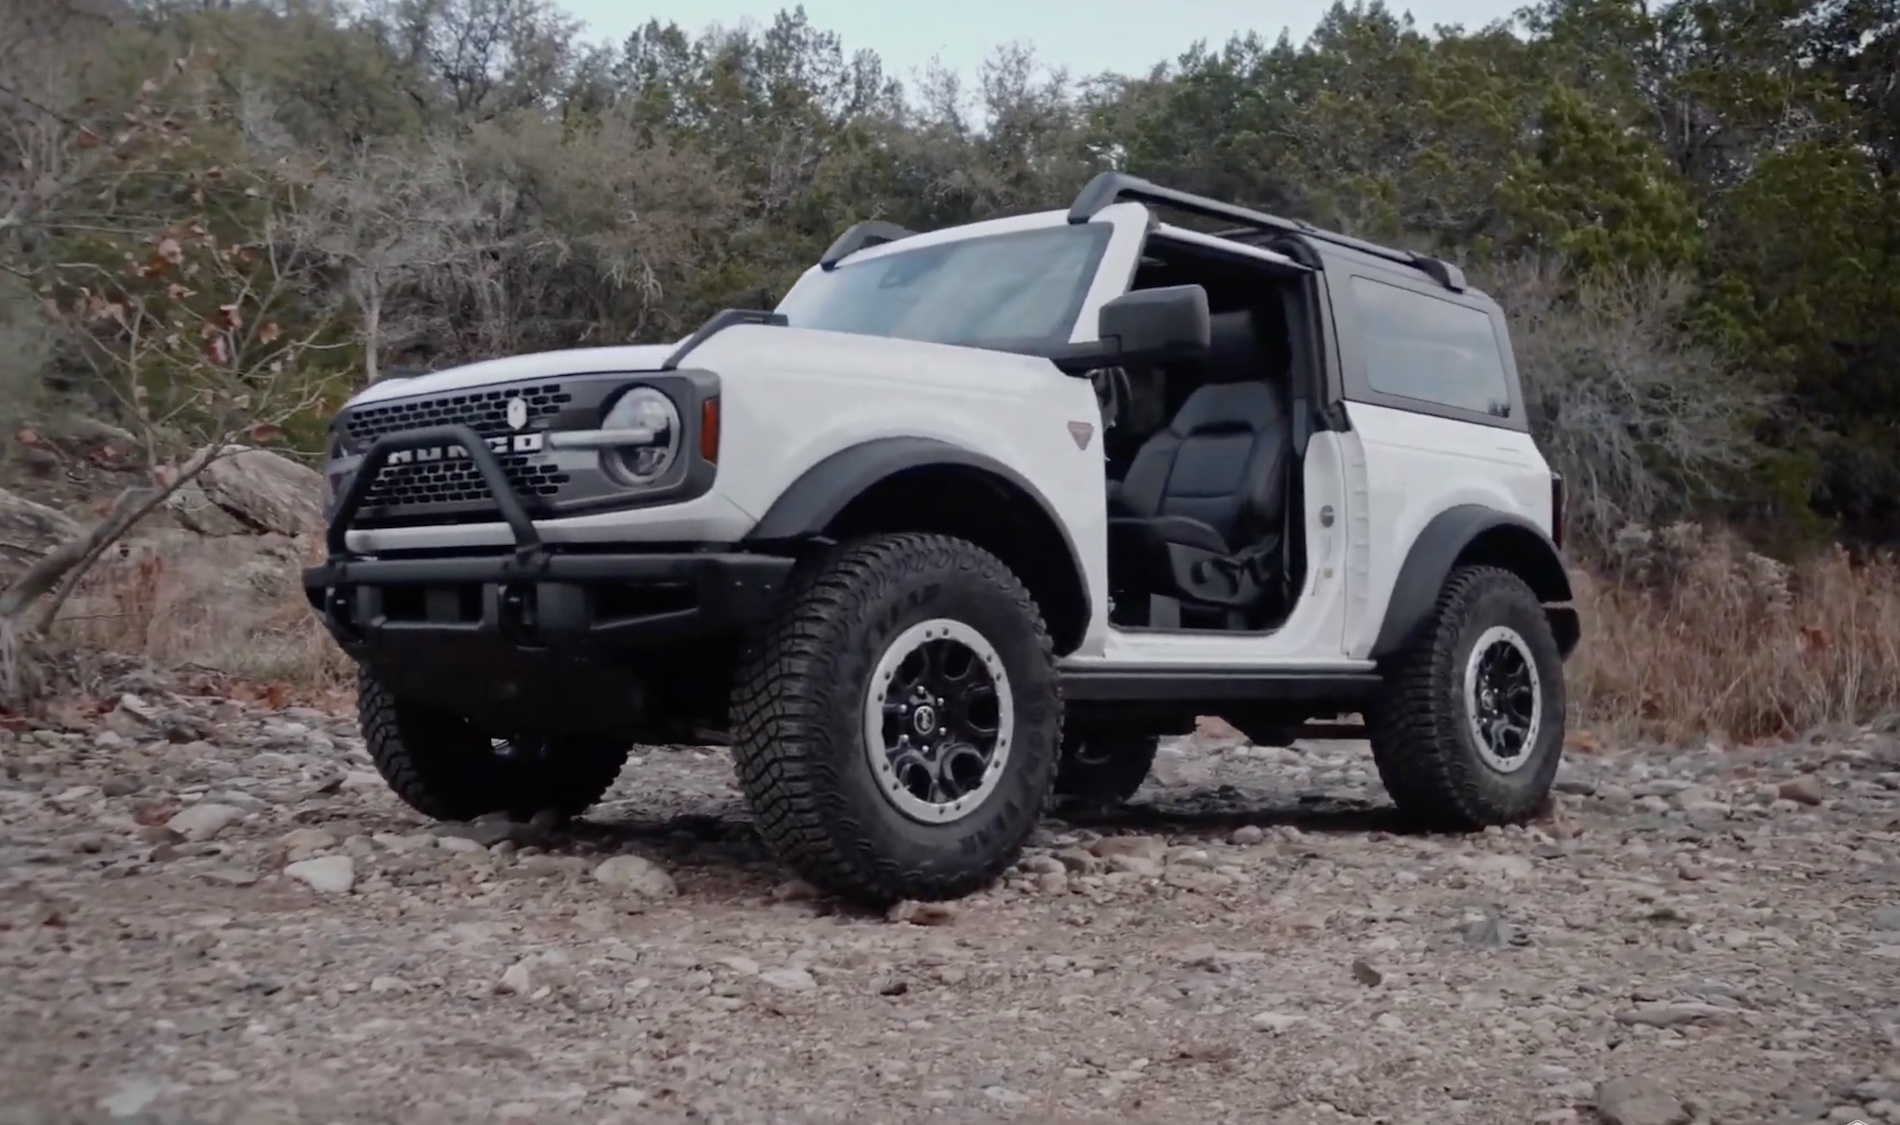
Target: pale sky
[{"x": 1085, "y": 36}]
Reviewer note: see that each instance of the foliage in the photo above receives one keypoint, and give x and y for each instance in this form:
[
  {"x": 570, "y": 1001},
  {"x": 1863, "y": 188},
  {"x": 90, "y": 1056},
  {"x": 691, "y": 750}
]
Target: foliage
[{"x": 1689, "y": 207}]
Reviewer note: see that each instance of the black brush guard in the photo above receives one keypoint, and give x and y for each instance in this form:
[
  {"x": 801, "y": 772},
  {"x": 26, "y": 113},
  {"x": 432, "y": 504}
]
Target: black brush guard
[{"x": 495, "y": 614}]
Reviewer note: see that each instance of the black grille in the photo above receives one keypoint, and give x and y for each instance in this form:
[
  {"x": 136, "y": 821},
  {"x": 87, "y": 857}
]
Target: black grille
[
  {"x": 453, "y": 482},
  {"x": 485, "y": 411}
]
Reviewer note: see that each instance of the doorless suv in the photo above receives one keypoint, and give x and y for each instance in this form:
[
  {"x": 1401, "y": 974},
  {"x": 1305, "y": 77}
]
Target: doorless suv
[{"x": 972, "y": 518}]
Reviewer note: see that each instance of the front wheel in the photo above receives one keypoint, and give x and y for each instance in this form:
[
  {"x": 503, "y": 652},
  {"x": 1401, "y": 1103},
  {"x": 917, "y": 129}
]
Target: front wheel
[
  {"x": 895, "y": 731},
  {"x": 1469, "y": 728},
  {"x": 446, "y": 769}
]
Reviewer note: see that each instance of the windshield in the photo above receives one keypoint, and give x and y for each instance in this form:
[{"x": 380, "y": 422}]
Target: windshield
[{"x": 999, "y": 290}]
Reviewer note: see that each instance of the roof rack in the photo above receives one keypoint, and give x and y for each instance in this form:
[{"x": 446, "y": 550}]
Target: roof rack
[
  {"x": 861, "y": 236},
  {"x": 1110, "y": 188}
]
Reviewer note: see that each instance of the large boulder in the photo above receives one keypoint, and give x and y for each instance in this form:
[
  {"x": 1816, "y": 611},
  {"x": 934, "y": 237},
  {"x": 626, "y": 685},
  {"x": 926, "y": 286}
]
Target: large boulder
[
  {"x": 27, "y": 531},
  {"x": 252, "y": 491}
]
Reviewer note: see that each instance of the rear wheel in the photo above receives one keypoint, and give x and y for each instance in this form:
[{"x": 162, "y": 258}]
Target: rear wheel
[
  {"x": 1470, "y": 728},
  {"x": 895, "y": 731},
  {"x": 446, "y": 769},
  {"x": 1104, "y": 768}
]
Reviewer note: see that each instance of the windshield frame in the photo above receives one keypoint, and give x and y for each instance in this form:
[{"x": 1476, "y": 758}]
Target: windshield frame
[{"x": 818, "y": 283}]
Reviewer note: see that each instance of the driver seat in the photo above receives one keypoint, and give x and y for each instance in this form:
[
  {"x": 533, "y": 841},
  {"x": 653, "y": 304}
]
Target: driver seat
[{"x": 1198, "y": 518}]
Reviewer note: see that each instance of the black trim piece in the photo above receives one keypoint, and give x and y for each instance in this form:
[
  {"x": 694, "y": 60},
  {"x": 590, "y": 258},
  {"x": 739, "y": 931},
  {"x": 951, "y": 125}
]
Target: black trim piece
[
  {"x": 1109, "y": 188},
  {"x": 1171, "y": 684},
  {"x": 722, "y": 320},
  {"x": 1428, "y": 564},
  {"x": 1566, "y": 626},
  {"x": 861, "y": 236},
  {"x": 810, "y": 503}
]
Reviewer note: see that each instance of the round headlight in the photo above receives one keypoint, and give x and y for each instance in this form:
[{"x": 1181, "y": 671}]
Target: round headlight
[{"x": 644, "y": 408}]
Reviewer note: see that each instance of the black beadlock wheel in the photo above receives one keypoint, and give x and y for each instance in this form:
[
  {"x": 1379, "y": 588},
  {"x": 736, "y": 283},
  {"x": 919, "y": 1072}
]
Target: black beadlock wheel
[
  {"x": 1104, "y": 768},
  {"x": 1469, "y": 729},
  {"x": 895, "y": 730},
  {"x": 444, "y": 768}
]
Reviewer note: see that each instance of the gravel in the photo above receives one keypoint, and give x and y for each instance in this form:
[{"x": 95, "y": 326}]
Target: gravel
[{"x": 214, "y": 913}]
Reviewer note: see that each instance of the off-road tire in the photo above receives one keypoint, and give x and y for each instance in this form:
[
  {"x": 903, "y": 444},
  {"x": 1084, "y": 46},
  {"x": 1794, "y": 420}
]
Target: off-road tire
[
  {"x": 446, "y": 769},
  {"x": 1422, "y": 742},
  {"x": 1105, "y": 768},
  {"x": 798, "y": 730}
]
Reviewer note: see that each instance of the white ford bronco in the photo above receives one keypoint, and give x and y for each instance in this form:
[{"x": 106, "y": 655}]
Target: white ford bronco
[{"x": 969, "y": 521}]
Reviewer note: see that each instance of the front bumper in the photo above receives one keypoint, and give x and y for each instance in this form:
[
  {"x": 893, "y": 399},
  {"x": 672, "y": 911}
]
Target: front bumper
[
  {"x": 574, "y": 606},
  {"x": 556, "y": 635}
]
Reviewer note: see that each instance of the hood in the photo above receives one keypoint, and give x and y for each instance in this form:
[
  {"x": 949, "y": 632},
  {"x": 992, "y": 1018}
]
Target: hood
[{"x": 535, "y": 365}]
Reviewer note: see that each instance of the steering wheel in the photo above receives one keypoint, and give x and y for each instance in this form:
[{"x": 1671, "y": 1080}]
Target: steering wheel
[{"x": 1112, "y": 394}]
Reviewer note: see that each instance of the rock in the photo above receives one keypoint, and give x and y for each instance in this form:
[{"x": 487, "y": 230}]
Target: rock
[
  {"x": 1247, "y": 835},
  {"x": 1508, "y": 866},
  {"x": 1803, "y": 790},
  {"x": 1638, "y": 1101},
  {"x": 1213, "y": 731},
  {"x": 231, "y": 876},
  {"x": 204, "y": 821},
  {"x": 1489, "y": 933},
  {"x": 794, "y": 890},
  {"x": 306, "y": 840},
  {"x": 1140, "y": 847},
  {"x": 515, "y": 980},
  {"x": 1275, "y": 1022},
  {"x": 1136, "y": 865},
  {"x": 254, "y": 491},
  {"x": 636, "y": 875},
  {"x": 791, "y": 980},
  {"x": 131, "y": 1097},
  {"x": 28, "y": 530},
  {"x": 1366, "y": 974},
  {"x": 1672, "y": 1015},
  {"x": 330, "y": 874},
  {"x": 922, "y": 913}
]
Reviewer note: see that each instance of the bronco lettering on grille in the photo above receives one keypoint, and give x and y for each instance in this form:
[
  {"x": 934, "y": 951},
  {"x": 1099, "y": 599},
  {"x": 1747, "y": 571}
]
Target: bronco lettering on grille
[{"x": 518, "y": 443}]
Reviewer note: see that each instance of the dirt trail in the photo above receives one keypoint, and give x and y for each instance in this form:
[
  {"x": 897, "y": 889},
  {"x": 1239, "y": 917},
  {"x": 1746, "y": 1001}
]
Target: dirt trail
[{"x": 212, "y": 913}]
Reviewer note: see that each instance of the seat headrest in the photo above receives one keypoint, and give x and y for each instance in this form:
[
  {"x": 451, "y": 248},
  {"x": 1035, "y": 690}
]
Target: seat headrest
[{"x": 1235, "y": 351}]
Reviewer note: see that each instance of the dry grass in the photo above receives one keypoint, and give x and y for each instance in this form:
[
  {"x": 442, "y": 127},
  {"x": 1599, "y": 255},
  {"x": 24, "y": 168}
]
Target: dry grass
[
  {"x": 233, "y": 604},
  {"x": 1687, "y": 634}
]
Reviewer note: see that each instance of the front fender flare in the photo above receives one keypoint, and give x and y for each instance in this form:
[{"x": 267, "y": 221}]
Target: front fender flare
[{"x": 809, "y": 505}]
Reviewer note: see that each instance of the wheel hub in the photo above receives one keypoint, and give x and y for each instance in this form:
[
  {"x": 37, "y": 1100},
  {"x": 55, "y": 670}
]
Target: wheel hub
[
  {"x": 938, "y": 719},
  {"x": 1504, "y": 699}
]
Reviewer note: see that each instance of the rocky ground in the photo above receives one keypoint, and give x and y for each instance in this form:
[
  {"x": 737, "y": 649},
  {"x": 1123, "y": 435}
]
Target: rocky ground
[{"x": 213, "y": 912}]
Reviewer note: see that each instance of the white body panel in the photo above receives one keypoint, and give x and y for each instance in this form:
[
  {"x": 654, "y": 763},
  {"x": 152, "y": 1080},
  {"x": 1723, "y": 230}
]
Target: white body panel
[{"x": 1410, "y": 467}]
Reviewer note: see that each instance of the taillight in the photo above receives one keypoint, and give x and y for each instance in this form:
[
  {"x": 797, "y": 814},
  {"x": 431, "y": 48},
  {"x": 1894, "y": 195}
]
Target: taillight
[
  {"x": 709, "y": 430},
  {"x": 1557, "y": 508}
]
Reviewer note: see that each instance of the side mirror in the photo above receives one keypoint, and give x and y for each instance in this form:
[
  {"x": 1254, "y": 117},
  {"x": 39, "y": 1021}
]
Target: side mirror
[{"x": 1156, "y": 325}]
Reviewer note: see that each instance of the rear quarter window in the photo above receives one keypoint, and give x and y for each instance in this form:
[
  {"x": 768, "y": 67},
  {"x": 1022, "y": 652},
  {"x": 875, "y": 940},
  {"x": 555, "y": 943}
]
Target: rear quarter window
[{"x": 1430, "y": 350}]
